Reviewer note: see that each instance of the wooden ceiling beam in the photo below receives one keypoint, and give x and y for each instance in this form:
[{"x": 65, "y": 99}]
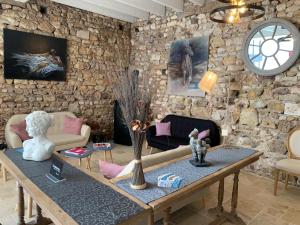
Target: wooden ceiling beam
[
  {"x": 97, "y": 9},
  {"x": 145, "y": 5},
  {"x": 176, "y": 5}
]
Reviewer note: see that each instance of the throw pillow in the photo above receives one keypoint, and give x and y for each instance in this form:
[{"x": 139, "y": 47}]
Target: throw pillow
[
  {"x": 72, "y": 125},
  {"x": 203, "y": 134},
  {"x": 109, "y": 170},
  {"x": 163, "y": 129},
  {"x": 20, "y": 130}
]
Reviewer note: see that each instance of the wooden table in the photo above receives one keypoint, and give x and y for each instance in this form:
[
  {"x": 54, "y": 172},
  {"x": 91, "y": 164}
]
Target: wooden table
[
  {"x": 55, "y": 213},
  {"x": 165, "y": 203}
]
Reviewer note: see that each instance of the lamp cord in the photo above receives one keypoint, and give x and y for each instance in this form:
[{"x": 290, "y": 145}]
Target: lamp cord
[{"x": 227, "y": 107}]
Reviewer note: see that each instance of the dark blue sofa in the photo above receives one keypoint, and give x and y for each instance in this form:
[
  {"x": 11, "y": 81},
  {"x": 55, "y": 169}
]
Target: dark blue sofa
[{"x": 181, "y": 127}]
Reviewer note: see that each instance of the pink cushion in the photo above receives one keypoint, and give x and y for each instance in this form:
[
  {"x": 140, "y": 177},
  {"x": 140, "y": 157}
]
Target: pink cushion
[
  {"x": 20, "y": 130},
  {"x": 203, "y": 134},
  {"x": 163, "y": 129},
  {"x": 109, "y": 170},
  {"x": 72, "y": 125}
]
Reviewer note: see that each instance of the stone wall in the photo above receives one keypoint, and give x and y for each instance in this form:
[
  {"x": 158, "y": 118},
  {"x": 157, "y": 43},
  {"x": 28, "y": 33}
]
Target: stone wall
[
  {"x": 258, "y": 106},
  {"x": 93, "y": 41}
]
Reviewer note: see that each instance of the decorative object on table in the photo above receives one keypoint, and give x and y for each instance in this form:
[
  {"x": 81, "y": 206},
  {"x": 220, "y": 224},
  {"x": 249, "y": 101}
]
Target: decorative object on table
[
  {"x": 139, "y": 133},
  {"x": 33, "y": 56},
  {"x": 290, "y": 166},
  {"x": 272, "y": 47},
  {"x": 169, "y": 180},
  {"x": 55, "y": 173},
  {"x": 187, "y": 64},
  {"x": 39, "y": 148},
  {"x": 236, "y": 12},
  {"x": 199, "y": 144},
  {"x": 134, "y": 98},
  {"x": 193, "y": 143}
]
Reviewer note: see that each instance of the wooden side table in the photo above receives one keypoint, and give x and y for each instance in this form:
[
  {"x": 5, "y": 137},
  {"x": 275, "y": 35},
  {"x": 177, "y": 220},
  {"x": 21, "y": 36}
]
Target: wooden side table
[
  {"x": 87, "y": 156},
  {"x": 106, "y": 151}
]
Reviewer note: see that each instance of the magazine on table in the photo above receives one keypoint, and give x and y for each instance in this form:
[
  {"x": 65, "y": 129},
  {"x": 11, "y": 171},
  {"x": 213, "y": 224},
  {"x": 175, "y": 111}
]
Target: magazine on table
[
  {"x": 76, "y": 151},
  {"x": 102, "y": 145}
]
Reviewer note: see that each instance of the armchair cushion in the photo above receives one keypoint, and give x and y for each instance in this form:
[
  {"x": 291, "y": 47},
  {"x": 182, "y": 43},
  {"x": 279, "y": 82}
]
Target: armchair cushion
[
  {"x": 20, "y": 130},
  {"x": 289, "y": 165}
]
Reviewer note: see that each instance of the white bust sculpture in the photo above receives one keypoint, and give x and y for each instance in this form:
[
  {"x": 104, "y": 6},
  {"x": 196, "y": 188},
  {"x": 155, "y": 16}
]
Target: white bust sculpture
[{"x": 39, "y": 148}]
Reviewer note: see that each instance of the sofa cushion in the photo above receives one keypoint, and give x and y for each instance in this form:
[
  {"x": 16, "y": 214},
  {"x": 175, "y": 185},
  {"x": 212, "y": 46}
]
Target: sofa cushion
[
  {"x": 63, "y": 139},
  {"x": 163, "y": 129},
  {"x": 20, "y": 129},
  {"x": 72, "y": 125}
]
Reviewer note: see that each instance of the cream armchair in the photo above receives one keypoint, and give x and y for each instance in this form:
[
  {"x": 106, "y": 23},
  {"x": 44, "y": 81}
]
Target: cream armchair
[
  {"x": 55, "y": 133},
  {"x": 290, "y": 166}
]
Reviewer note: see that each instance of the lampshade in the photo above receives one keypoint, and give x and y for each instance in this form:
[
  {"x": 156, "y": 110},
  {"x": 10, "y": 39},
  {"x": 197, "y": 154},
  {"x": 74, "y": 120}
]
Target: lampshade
[{"x": 208, "y": 81}]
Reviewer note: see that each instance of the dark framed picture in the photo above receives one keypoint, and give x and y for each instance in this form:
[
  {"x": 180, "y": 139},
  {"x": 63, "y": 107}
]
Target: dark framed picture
[{"x": 35, "y": 57}]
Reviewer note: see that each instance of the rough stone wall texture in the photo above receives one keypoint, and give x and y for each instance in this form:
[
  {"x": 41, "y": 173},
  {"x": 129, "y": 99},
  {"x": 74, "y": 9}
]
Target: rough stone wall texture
[
  {"x": 93, "y": 41},
  {"x": 258, "y": 114}
]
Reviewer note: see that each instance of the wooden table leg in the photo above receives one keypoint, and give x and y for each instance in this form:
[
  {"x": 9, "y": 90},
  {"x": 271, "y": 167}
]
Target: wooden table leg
[
  {"x": 29, "y": 208},
  {"x": 151, "y": 218},
  {"x": 232, "y": 215},
  {"x": 235, "y": 192},
  {"x": 277, "y": 172},
  {"x": 105, "y": 157},
  {"x": 21, "y": 207},
  {"x": 40, "y": 220},
  {"x": 111, "y": 158},
  {"x": 79, "y": 162},
  {"x": 4, "y": 174},
  {"x": 88, "y": 163},
  {"x": 167, "y": 216},
  {"x": 286, "y": 181},
  {"x": 220, "y": 196}
]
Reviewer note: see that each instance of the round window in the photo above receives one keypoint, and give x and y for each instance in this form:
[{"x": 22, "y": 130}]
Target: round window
[{"x": 272, "y": 47}]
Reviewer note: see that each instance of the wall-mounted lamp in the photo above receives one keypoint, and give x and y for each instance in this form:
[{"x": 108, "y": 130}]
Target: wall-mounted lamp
[{"x": 208, "y": 81}]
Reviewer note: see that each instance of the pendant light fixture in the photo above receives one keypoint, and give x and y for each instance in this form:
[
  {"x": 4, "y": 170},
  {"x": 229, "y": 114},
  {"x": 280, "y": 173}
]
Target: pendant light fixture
[{"x": 236, "y": 11}]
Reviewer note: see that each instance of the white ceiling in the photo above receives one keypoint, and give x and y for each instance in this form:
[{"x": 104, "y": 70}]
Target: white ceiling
[{"x": 127, "y": 10}]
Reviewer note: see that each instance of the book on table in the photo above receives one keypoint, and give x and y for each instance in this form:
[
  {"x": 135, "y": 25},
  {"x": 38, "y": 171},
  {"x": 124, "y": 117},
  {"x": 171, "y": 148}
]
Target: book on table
[{"x": 78, "y": 151}]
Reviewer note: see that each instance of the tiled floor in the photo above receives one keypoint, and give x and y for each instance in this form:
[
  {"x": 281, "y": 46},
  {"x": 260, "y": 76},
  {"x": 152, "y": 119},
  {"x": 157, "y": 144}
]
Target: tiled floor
[{"x": 256, "y": 206}]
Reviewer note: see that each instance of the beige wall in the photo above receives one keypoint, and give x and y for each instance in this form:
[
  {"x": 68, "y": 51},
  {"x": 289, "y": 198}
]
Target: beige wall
[
  {"x": 92, "y": 42},
  {"x": 258, "y": 116}
]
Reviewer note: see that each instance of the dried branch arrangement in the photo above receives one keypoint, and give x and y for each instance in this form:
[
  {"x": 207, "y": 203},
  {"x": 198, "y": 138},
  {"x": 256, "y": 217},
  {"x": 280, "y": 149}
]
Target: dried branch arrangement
[{"x": 134, "y": 99}]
